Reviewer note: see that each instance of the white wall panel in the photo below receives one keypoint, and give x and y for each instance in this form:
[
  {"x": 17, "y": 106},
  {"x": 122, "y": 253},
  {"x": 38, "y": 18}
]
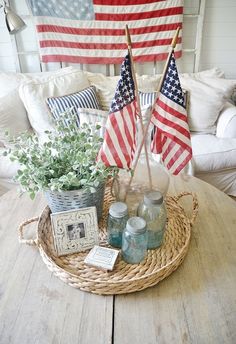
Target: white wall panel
[
  {"x": 30, "y": 63},
  {"x": 27, "y": 40},
  {"x": 219, "y": 40}
]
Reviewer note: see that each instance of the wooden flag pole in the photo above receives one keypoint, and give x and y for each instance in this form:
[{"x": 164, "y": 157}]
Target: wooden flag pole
[
  {"x": 129, "y": 44},
  {"x": 173, "y": 44}
]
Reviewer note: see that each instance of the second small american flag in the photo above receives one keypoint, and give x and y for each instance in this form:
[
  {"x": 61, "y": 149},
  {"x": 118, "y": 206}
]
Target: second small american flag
[{"x": 171, "y": 136}]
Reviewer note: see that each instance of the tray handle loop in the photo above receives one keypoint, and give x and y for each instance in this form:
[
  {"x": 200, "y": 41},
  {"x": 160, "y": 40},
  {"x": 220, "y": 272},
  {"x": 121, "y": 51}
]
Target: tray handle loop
[
  {"x": 30, "y": 242},
  {"x": 195, "y": 205}
]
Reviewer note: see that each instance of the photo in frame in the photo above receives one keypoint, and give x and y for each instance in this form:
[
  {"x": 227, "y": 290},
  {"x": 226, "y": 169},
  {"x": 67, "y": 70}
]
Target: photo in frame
[{"x": 75, "y": 230}]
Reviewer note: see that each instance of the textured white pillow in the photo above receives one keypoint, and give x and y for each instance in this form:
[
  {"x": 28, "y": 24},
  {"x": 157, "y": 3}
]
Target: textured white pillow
[
  {"x": 226, "y": 86},
  {"x": 148, "y": 83},
  {"x": 209, "y": 73},
  {"x": 13, "y": 116},
  {"x": 93, "y": 117},
  {"x": 35, "y": 93},
  {"x": 105, "y": 87},
  {"x": 205, "y": 104}
]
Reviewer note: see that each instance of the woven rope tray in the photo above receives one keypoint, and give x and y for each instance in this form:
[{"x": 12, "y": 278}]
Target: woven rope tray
[{"x": 125, "y": 278}]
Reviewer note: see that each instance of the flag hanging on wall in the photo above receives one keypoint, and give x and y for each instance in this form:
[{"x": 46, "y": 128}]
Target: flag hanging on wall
[
  {"x": 93, "y": 31},
  {"x": 119, "y": 139},
  {"x": 171, "y": 136}
]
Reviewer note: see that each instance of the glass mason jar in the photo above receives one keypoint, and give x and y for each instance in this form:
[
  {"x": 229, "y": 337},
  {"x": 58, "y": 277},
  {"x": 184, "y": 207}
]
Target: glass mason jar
[
  {"x": 116, "y": 222},
  {"x": 134, "y": 241},
  {"x": 152, "y": 209}
]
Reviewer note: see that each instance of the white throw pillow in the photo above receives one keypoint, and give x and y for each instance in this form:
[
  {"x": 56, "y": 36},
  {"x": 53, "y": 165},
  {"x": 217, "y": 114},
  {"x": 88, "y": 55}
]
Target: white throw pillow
[
  {"x": 92, "y": 117},
  {"x": 209, "y": 73},
  {"x": 227, "y": 86},
  {"x": 148, "y": 83},
  {"x": 13, "y": 116},
  {"x": 105, "y": 87},
  {"x": 34, "y": 94},
  {"x": 205, "y": 103}
]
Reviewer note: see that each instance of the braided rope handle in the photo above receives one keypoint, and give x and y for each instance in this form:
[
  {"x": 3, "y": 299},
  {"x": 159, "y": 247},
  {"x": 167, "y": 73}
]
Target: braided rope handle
[
  {"x": 195, "y": 205},
  {"x": 115, "y": 187},
  {"x": 31, "y": 242}
]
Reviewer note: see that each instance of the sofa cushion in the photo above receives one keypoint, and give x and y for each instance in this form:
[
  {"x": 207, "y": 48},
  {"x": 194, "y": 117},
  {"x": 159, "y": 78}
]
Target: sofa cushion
[
  {"x": 205, "y": 104},
  {"x": 213, "y": 154},
  {"x": 223, "y": 180},
  {"x": 13, "y": 116},
  {"x": 86, "y": 98},
  {"x": 8, "y": 168},
  {"x": 11, "y": 81},
  {"x": 35, "y": 92},
  {"x": 226, "y": 124}
]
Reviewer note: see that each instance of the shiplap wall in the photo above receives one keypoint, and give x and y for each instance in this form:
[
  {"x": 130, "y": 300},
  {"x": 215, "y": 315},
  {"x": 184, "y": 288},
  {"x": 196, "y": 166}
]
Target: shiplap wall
[{"x": 218, "y": 44}]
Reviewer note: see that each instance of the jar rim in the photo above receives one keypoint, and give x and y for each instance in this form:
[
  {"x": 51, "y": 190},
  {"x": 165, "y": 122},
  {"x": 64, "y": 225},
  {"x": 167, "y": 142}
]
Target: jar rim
[
  {"x": 136, "y": 225},
  {"x": 153, "y": 197},
  {"x": 118, "y": 209}
]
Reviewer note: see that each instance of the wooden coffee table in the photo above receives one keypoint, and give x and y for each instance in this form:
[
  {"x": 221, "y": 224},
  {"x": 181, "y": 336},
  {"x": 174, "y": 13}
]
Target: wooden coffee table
[{"x": 195, "y": 304}]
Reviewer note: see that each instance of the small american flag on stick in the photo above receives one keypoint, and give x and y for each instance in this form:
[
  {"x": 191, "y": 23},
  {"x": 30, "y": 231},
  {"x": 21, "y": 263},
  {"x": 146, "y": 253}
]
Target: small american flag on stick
[
  {"x": 119, "y": 139},
  {"x": 171, "y": 137}
]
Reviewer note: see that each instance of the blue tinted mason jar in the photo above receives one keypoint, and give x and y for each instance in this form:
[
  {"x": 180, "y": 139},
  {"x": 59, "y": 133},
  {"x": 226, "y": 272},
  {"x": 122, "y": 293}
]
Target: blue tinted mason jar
[
  {"x": 116, "y": 222},
  {"x": 134, "y": 241},
  {"x": 152, "y": 209}
]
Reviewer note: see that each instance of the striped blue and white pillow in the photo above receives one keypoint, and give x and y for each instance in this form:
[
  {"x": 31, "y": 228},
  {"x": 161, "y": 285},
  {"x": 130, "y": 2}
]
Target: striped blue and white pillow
[
  {"x": 86, "y": 98},
  {"x": 147, "y": 98}
]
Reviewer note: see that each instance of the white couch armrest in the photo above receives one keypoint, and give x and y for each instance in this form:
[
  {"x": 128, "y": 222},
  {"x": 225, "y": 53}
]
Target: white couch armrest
[{"x": 226, "y": 124}]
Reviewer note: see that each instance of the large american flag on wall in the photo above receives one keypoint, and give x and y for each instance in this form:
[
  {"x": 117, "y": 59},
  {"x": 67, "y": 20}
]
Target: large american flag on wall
[{"x": 93, "y": 31}]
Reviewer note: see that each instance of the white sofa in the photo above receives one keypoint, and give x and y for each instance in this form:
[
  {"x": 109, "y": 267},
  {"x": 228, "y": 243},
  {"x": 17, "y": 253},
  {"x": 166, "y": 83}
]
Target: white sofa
[{"x": 212, "y": 118}]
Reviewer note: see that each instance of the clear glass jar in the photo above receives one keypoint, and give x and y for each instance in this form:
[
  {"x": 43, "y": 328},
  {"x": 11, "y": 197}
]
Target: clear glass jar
[
  {"x": 116, "y": 222},
  {"x": 152, "y": 209},
  {"x": 134, "y": 241}
]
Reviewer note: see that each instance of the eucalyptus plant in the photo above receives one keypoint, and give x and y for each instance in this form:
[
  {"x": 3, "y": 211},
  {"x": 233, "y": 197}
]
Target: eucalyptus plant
[{"x": 65, "y": 161}]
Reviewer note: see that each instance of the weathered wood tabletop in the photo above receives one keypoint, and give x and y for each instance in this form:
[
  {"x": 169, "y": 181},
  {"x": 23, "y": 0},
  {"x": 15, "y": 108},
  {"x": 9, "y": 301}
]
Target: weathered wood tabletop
[{"x": 195, "y": 304}]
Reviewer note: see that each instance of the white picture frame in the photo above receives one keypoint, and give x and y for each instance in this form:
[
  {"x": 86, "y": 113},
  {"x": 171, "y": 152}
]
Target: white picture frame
[{"x": 75, "y": 230}]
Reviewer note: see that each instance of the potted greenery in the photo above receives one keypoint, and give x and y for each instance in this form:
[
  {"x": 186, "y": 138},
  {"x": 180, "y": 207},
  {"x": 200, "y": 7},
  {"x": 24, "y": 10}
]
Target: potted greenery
[{"x": 64, "y": 166}]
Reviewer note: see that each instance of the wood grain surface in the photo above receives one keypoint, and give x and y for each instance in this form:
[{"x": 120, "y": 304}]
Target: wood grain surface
[{"x": 196, "y": 304}]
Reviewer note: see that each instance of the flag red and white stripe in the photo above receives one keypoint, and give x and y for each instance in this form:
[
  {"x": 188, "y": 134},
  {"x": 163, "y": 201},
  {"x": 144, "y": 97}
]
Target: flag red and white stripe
[
  {"x": 119, "y": 139},
  {"x": 68, "y": 36},
  {"x": 171, "y": 136}
]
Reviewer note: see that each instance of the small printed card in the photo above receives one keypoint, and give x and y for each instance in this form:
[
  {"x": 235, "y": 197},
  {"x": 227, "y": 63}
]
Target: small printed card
[{"x": 102, "y": 257}]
